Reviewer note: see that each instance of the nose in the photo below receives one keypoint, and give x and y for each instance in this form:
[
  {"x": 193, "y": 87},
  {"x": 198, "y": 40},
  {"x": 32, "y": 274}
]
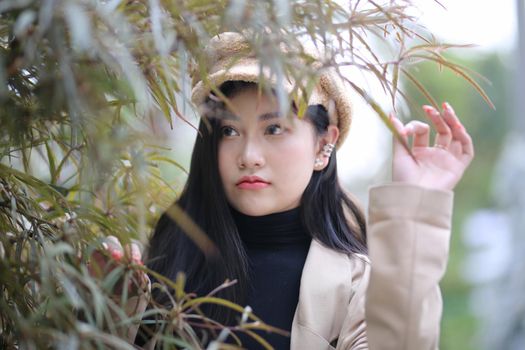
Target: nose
[{"x": 251, "y": 155}]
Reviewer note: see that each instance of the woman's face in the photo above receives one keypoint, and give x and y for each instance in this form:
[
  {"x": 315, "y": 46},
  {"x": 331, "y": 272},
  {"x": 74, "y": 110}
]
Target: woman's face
[{"x": 265, "y": 160}]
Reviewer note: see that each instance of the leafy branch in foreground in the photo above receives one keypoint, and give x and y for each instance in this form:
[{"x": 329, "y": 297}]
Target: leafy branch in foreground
[
  {"x": 49, "y": 298},
  {"x": 89, "y": 88}
]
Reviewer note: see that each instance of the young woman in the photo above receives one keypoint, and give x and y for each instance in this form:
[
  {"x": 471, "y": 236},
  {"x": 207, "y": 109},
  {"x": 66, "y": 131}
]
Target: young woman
[{"x": 263, "y": 187}]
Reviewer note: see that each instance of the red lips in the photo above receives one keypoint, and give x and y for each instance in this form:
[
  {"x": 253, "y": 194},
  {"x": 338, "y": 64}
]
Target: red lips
[{"x": 252, "y": 183}]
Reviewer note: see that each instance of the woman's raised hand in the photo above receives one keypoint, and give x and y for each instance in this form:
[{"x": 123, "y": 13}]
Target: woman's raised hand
[
  {"x": 440, "y": 166},
  {"x": 112, "y": 255}
]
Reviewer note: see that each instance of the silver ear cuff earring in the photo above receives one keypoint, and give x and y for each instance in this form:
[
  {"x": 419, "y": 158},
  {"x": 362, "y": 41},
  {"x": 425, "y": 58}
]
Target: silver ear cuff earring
[
  {"x": 327, "y": 152},
  {"x": 327, "y": 149}
]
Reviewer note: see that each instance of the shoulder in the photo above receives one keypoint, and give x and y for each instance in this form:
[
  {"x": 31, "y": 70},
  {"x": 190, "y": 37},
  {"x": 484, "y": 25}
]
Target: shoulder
[
  {"x": 356, "y": 266},
  {"x": 360, "y": 270},
  {"x": 359, "y": 259}
]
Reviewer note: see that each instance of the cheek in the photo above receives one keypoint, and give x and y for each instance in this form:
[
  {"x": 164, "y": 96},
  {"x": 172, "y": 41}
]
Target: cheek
[{"x": 295, "y": 162}]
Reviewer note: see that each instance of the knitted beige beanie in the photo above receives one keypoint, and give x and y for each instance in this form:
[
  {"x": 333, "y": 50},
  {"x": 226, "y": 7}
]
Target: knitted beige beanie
[{"x": 232, "y": 60}]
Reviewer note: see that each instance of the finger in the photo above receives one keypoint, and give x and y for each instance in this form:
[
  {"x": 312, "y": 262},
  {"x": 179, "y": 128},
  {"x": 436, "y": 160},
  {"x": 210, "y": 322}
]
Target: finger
[
  {"x": 456, "y": 148},
  {"x": 398, "y": 125},
  {"x": 456, "y": 128},
  {"x": 443, "y": 133},
  {"x": 451, "y": 118},
  {"x": 468, "y": 147},
  {"x": 112, "y": 244},
  {"x": 459, "y": 132},
  {"x": 136, "y": 255},
  {"x": 420, "y": 132}
]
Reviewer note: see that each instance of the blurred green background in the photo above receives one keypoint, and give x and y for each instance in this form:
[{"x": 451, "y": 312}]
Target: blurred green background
[{"x": 487, "y": 128}]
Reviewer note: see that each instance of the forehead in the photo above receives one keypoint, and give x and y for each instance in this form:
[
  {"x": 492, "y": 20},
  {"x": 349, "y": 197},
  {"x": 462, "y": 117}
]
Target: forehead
[
  {"x": 252, "y": 98},
  {"x": 253, "y": 102}
]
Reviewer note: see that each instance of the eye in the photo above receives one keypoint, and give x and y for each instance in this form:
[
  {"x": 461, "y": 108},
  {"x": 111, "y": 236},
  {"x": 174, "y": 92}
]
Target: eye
[
  {"x": 228, "y": 131},
  {"x": 274, "y": 129}
]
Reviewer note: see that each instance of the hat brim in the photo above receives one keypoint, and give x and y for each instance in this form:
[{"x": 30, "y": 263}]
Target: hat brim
[
  {"x": 248, "y": 70},
  {"x": 329, "y": 91}
]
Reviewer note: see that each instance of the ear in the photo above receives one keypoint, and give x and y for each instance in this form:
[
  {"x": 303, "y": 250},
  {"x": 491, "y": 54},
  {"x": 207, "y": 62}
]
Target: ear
[{"x": 323, "y": 152}]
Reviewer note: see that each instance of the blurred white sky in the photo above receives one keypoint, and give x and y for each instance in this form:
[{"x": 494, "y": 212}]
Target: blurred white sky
[
  {"x": 491, "y": 25},
  {"x": 487, "y": 23}
]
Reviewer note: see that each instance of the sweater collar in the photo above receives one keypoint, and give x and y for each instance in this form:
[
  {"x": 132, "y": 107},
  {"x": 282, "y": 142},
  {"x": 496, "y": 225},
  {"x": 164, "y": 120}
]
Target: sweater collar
[{"x": 272, "y": 230}]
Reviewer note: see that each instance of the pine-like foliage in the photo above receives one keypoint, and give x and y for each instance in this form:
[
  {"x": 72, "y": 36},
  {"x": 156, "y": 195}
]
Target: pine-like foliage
[{"x": 86, "y": 86}]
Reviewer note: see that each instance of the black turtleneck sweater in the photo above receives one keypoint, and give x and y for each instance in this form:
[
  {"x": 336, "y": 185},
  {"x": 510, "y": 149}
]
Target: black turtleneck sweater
[{"x": 277, "y": 245}]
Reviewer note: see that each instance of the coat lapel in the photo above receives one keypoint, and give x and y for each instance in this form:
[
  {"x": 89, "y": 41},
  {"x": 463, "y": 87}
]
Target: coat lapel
[{"x": 324, "y": 293}]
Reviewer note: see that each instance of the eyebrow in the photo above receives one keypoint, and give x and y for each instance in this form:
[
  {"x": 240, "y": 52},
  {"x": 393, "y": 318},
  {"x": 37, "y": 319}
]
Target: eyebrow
[
  {"x": 270, "y": 115},
  {"x": 227, "y": 115},
  {"x": 263, "y": 117}
]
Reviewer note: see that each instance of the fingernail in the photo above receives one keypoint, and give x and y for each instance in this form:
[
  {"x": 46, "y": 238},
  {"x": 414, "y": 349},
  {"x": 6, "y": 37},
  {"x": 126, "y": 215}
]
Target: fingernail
[
  {"x": 431, "y": 110},
  {"x": 447, "y": 106},
  {"x": 116, "y": 254}
]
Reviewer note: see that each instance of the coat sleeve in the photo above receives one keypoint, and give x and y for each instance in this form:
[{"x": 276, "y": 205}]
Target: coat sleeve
[{"x": 397, "y": 303}]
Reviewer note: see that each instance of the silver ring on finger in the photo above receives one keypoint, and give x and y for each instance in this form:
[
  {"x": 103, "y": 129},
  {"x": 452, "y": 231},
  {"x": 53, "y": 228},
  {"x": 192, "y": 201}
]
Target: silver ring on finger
[{"x": 441, "y": 146}]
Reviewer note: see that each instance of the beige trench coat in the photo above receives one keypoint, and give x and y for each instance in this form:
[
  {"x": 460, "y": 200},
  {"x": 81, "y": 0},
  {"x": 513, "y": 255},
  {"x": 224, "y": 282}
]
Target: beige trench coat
[{"x": 389, "y": 300}]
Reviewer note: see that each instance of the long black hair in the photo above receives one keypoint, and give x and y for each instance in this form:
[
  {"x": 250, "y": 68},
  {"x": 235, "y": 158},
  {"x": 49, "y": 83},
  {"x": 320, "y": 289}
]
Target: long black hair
[{"x": 328, "y": 215}]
